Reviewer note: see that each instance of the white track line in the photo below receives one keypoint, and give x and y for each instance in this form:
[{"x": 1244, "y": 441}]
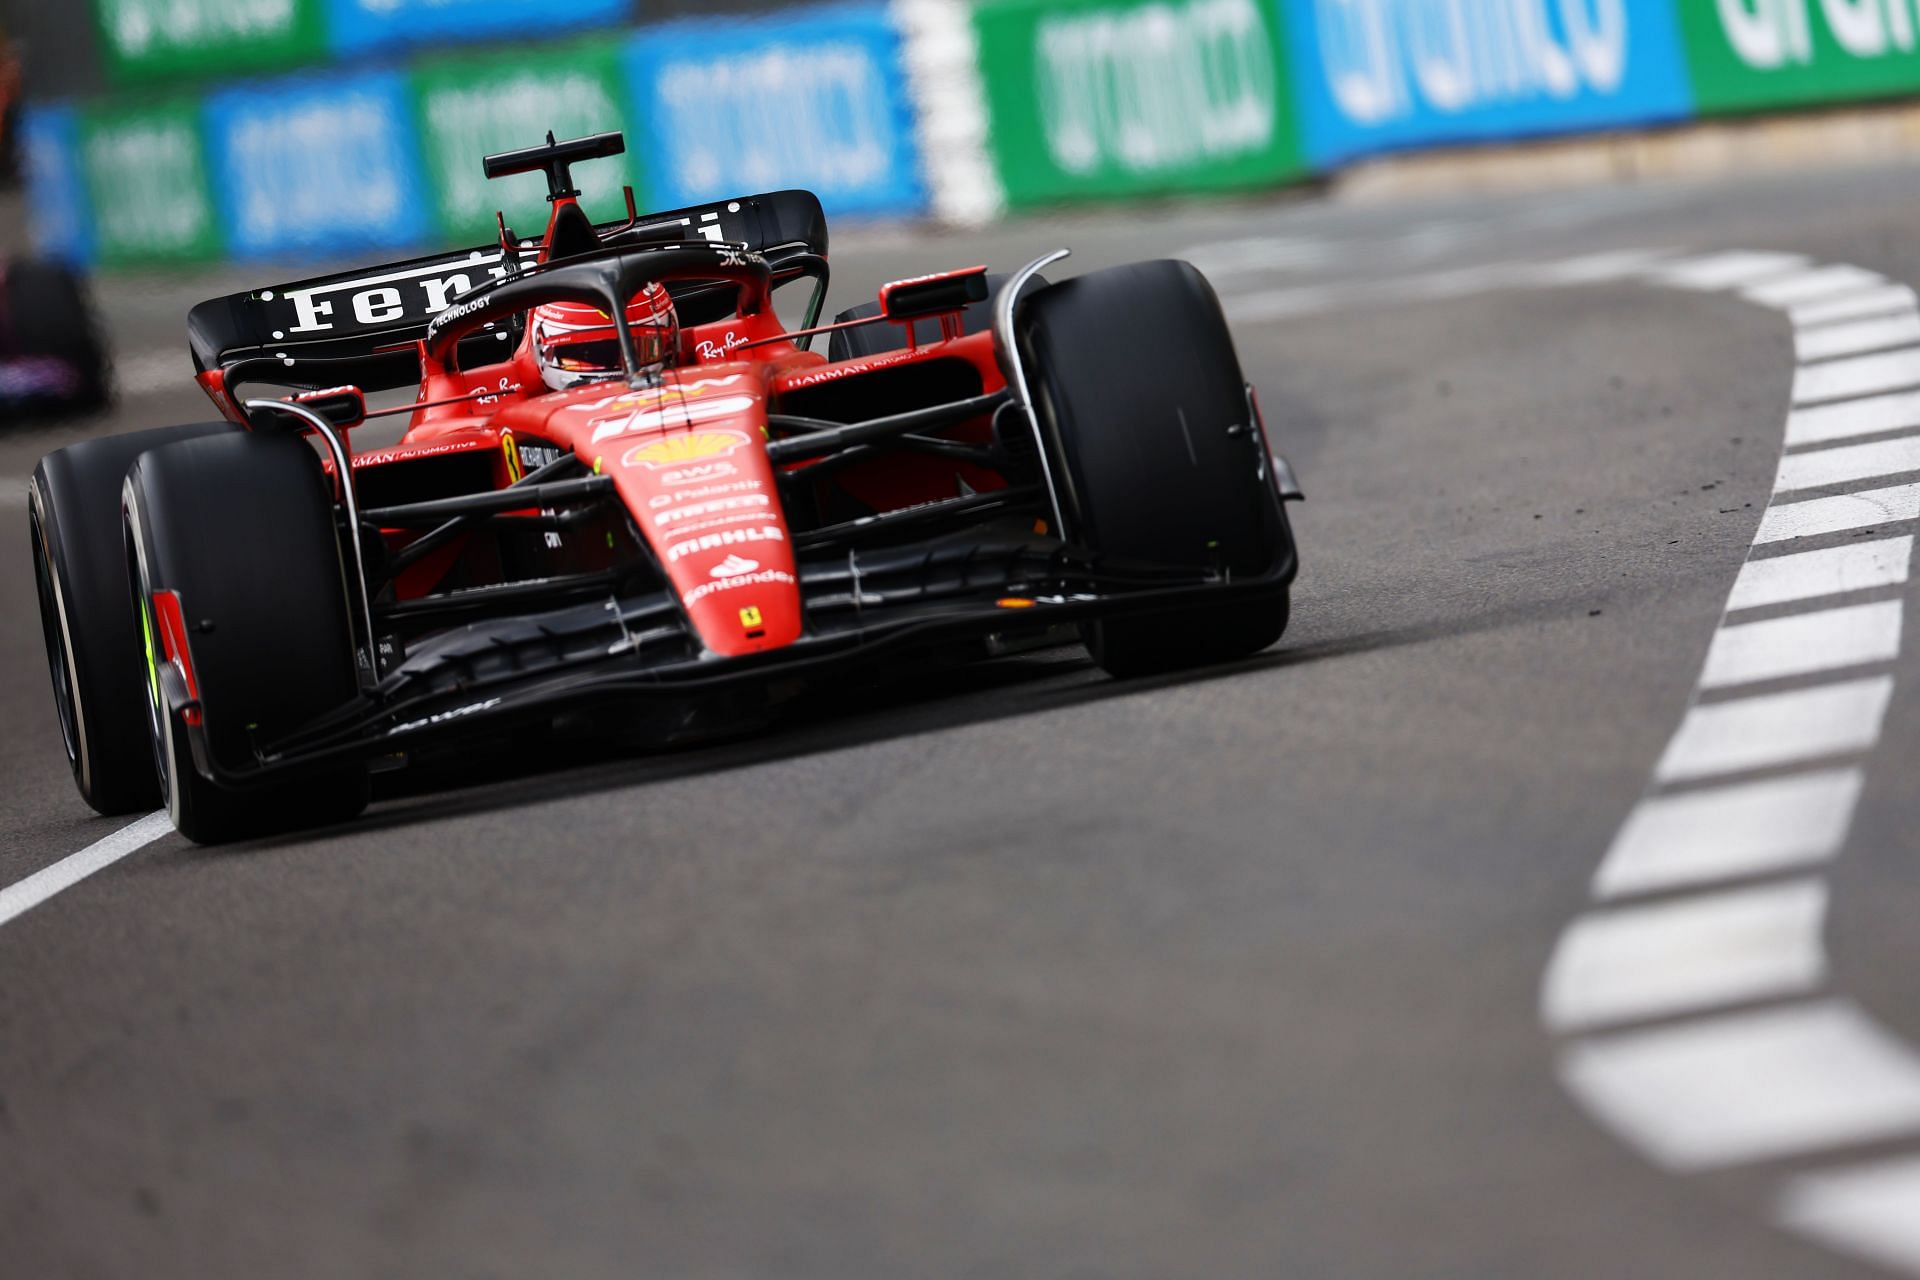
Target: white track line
[
  {"x": 1722, "y": 833},
  {"x": 1843, "y": 464},
  {"x": 1866, "y": 1210},
  {"x": 1900, "y": 329},
  {"x": 1853, "y": 306},
  {"x": 1776, "y": 729},
  {"x": 1847, "y": 418},
  {"x": 1809, "y": 575},
  {"x": 1694, "y": 953},
  {"x": 1728, "y": 270},
  {"x": 1813, "y": 286},
  {"x": 1710, "y": 1089},
  {"x": 1717, "y": 1088},
  {"x": 1803, "y": 644},
  {"x": 1597, "y": 268},
  {"x": 1839, "y": 514},
  {"x": 1857, "y": 376},
  {"x": 71, "y": 870},
  {"x": 1749, "y": 1086}
]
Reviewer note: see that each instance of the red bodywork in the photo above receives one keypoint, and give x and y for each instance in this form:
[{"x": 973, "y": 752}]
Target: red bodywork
[{"x": 685, "y": 456}]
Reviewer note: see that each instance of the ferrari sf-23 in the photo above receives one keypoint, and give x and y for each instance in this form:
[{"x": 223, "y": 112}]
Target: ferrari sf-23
[{"x": 625, "y": 488}]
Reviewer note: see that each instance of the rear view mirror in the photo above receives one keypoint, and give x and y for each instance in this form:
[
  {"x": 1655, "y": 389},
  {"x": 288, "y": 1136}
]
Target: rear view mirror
[{"x": 943, "y": 294}]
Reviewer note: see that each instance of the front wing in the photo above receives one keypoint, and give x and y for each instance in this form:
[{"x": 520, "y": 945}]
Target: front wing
[{"x": 491, "y": 675}]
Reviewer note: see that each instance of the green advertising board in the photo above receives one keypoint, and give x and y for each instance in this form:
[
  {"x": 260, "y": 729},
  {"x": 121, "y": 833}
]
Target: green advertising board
[
  {"x": 469, "y": 107},
  {"x": 144, "y": 40},
  {"x": 145, "y": 170},
  {"x": 1134, "y": 97},
  {"x": 1750, "y": 54}
]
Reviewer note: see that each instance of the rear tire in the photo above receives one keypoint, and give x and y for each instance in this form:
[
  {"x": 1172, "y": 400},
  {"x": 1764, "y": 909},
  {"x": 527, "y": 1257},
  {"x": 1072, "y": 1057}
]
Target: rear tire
[
  {"x": 94, "y": 651},
  {"x": 1134, "y": 375},
  {"x": 241, "y": 529}
]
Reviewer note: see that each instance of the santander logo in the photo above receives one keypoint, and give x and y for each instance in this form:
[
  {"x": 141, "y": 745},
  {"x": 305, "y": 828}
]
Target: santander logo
[{"x": 734, "y": 566}]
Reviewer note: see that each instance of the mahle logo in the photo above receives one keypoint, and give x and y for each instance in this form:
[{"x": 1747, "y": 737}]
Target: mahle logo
[
  {"x": 1158, "y": 87},
  {"x": 1766, "y": 34}
]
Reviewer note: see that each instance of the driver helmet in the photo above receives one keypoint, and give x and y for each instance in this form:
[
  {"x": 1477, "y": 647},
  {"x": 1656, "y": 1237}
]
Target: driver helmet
[{"x": 575, "y": 342}]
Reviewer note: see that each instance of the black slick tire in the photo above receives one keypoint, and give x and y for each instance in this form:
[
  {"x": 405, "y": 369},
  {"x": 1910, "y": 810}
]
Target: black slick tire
[
  {"x": 1135, "y": 377},
  {"x": 94, "y": 651},
  {"x": 241, "y": 529}
]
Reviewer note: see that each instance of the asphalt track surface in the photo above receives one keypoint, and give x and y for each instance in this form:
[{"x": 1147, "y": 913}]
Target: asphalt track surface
[{"x": 1017, "y": 970}]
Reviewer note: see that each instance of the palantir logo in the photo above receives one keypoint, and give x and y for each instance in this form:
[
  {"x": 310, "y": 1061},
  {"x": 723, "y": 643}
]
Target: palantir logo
[{"x": 1161, "y": 87}]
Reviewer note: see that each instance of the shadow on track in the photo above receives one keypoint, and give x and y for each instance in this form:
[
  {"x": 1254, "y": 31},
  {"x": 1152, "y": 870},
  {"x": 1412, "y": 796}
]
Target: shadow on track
[{"x": 900, "y": 706}]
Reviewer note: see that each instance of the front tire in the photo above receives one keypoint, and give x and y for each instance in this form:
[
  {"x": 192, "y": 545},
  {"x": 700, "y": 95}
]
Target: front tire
[
  {"x": 1134, "y": 376},
  {"x": 93, "y": 641},
  {"x": 241, "y": 530}
]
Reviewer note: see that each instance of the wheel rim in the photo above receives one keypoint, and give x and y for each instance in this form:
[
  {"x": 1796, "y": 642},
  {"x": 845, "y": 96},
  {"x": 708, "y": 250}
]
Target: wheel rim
[
  {"x": 53, "y": 627},
  {"x": 143, "y": 610}
]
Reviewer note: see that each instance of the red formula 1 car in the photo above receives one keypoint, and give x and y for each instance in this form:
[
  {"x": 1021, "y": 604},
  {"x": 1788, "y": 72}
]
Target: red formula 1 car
[{"x": 624, "y": 487}]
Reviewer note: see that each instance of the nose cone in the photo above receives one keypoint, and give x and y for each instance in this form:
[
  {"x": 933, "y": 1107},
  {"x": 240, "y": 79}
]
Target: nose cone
[{"x": 690, "y": 461}]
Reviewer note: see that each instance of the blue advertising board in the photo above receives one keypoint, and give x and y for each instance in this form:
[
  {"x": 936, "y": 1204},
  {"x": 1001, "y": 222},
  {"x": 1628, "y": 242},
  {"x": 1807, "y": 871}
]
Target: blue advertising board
[
  {"x": 56, "y": 187},
  {"x": 366, "y": 26},
  {"x": 814, "y": 99},
  {"x": 1379, "y": 75},
  {"x": 317, "y": 165}
]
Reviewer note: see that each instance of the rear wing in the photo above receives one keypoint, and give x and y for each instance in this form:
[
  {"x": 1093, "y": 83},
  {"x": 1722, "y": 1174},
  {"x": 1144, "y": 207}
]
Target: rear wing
[{"x": 360, "y": 326}]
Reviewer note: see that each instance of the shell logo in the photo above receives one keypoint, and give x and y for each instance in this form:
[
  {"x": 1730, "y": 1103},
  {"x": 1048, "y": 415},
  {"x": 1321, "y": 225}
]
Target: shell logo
[{"x": 679, "y": 450}]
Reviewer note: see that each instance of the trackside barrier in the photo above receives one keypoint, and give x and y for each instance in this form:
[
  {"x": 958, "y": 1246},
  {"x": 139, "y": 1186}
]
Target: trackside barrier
[
  {"x": 148, "y": 41},
  {"x": 1380, "y": 75},
  {"x": 816, "y": 100},
  {"x": 1135, "y": 97},
  {"x": 889, "y": 108},
  {"x": 327, "y": 163}
]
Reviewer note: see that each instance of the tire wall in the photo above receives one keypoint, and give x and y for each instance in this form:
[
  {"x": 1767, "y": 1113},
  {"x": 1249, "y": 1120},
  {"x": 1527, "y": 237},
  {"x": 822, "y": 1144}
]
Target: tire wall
[{"x": 957, "y": 109}]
